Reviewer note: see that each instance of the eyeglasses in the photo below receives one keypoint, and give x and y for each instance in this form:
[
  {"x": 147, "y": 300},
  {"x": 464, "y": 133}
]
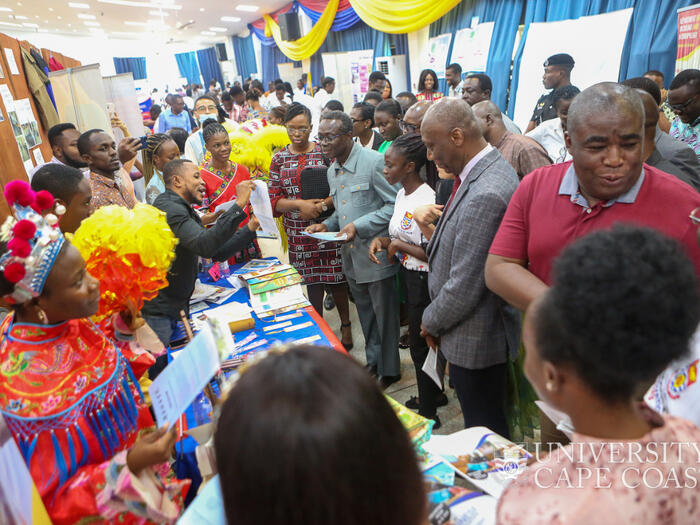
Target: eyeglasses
[
  {"x": 406, "y": 127},
  {"x": 681, "y": 107},
  {"x": 298, "y": 131},
  {"x": 208, "y": 109},
  {"x": 356, "y": 120},
  {"x": 695, "y": 216},
  {"x": 325, "y": 139}
]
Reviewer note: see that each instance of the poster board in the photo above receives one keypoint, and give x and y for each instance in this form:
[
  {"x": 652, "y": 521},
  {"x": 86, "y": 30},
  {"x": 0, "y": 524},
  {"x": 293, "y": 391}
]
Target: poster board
[
  {"x": 471, "y": 47},
  {"x": 597, "y": 59},
  {"x": 688, "y": 54},
  {"x": 351, "y": 71},
  {"x": 436, "y": 54}
]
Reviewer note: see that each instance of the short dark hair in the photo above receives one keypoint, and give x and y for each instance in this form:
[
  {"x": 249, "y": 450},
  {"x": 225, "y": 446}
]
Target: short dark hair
[
  {"x": 84, "y": 140},
  {"x": 423, "y": 75},
  {"x": 226, "y": 96},
  {"x": 456, "y": 68},
  {"x": 173, "y": 168},
  {"x": 253, "y": 94},
  {"x": 345, "y": 120},
  {"x": 279, "y": 112},
  {"x": 179, "y": 135},
  {"x": 376, "y": 75},
  {"x": 390, "y": 107},
  {"x": 305, "y": 422},
  {"x": 295, "y": 109},
  {"x": 175, "y": 95},
  {"x": 57, "y": 130},
  {"x": 236, "y": 90},
  {"x": 409, "y": 96},
  {"x": 327, "y": 80},
  {"x": 373, "y": 95},
  {"x": 564, "y": 93},
  {"x": 59, "y": 180},
  {"x": 366, "y": 111},
  {"x": 687, "y": 76},
  {"x": 654, "y": 72},
  {"x": 624, "y": 303},
  {"x": 334, "y": 105},
  {"x": 645, "y": 84},
  {"x": 212, "y": 128},
  {"x": 485, "y": 83}
]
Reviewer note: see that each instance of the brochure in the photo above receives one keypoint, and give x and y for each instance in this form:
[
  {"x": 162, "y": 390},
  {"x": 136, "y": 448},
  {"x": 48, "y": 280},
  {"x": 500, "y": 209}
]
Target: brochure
[
  {"x": 327, "y": 236},
  {"x": 457, "y": 505}
]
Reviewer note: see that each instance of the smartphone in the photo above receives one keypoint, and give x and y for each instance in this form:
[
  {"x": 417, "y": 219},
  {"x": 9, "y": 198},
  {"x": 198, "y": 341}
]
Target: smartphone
[
  {"x": 110, "y": 109},
  {"x": 144, "y": 143}
]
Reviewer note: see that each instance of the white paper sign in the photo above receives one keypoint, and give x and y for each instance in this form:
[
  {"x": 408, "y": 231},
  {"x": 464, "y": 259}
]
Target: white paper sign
[
  {"x": 38, "y": 157},
  {"x": 7, "y": 98},
  {"x": 177, "y": 386},
  {"x": 471, "y": 47},
  {"x": 260, "y": 201},
  {"x": 436, "y": 55},
  {"x": 11, "y": 61},
  {"x": 430, "y": 367}
]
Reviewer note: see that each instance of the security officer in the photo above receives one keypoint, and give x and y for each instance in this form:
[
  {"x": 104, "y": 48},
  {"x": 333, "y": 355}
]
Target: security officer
[{"x": 557, "y": 73}]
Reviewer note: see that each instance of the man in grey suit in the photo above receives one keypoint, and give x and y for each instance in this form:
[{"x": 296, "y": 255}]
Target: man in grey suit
[
  {"x": 473, "y": 327},
  {"x": 364, "y": 204}
]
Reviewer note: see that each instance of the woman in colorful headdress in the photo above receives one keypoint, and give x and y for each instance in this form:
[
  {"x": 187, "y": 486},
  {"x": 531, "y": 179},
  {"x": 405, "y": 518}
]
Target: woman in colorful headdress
[{"x": 67, "y": 392}]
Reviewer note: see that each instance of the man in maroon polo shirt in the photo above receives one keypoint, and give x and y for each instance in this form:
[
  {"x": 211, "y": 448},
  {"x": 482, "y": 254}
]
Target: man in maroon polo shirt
[{"x": 606, "y": 183}]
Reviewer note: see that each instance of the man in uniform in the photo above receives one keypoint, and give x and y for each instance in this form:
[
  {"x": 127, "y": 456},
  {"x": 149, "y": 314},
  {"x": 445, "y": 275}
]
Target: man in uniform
[{"x": 557, "y": 73}]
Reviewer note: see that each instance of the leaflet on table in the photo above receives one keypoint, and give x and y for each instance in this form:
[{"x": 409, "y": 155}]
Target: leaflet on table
[
  {"x": 288, "y": 279},
  {"x": 179, "y": 383},
  {"x": 260, "y": 202},
  {"x": 278, "y": 301},
  {"x": 458, "y": 505},
  {"x": 256, "y": 265},
  {"x": 327, "y": 236},
  {"x": 210, "y": 293},
  {"x": 261, "y": 274},
  {"x": 487, "y": 460}
]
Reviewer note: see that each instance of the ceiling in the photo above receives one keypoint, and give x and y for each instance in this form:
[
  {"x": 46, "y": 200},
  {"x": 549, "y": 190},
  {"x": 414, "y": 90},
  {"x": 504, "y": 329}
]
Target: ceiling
[{"x": 163, "y": 20}]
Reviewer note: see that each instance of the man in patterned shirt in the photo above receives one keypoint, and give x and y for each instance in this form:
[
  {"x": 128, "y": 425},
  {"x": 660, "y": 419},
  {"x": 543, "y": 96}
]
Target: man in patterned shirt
[{"x": 684, "y": 100}]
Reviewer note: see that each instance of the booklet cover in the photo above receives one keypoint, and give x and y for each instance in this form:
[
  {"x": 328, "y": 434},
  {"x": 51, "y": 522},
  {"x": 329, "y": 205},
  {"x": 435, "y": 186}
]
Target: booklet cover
[{"x": 457, "y": 505}]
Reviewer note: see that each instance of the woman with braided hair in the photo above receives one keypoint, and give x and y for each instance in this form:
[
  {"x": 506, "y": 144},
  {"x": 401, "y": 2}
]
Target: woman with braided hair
[{"x": 160, "y": 149}]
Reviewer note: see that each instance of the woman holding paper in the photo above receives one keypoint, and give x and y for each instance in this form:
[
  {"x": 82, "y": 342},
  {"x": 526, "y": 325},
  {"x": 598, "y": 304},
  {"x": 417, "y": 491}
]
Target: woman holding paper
[
  {"x": 66, "y": 391},
  {"x": 220, "y": 176},
  {"x": 318, "y": 263}
]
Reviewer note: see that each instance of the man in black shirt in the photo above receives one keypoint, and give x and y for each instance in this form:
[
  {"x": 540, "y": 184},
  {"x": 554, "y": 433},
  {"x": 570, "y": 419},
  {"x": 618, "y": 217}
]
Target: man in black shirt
[
  {"x": 184, "y": 187},
  {"x": 557, "y": 73}
]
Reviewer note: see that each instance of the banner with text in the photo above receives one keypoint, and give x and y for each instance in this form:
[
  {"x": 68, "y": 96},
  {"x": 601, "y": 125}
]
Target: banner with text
[{"x": 688, "y": 55}]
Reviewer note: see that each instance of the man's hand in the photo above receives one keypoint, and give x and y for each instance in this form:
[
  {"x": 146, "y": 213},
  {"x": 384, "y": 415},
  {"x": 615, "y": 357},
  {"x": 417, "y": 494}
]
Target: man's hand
[
  {"x": 211, "y": 217},
  {"x": 349, "y": 230},
  {"x": 428, "y": 214},
  {"x": 152, "y": 449},
  {"x": 307, "y": 208},
  {"x": 316, "y": 228},
  {"x": 127, "y": 149},
  {"x": 253, "y": 223},
  {"x": 392, "y": 249},
  {"x": 377, "y": 245},
  {"x": 243, "y": 191},
  {"x": 433, "y": 341}
]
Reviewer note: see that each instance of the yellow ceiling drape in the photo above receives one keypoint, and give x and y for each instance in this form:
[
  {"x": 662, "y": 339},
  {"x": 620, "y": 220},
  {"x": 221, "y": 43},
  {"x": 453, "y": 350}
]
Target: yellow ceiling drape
[
  {"x": 310, "y": 42},
  {"x": 401, "y": 16}
]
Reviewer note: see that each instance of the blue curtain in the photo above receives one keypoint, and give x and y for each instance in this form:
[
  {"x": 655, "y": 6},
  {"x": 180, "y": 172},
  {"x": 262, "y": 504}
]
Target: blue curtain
[
  {"x": 187, "y": 65},
  {"x": 134, "y": 65},
  {"x": 209, "y": 66},
  {"x": 343, "y": 19},
  {"x": 244, "y": 53},
  {"x": 270, "y": 56}
]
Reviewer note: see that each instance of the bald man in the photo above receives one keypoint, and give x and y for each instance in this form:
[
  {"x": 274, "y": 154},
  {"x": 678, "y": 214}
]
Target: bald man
[
  {"x": 605, "y": 183},
  {"x": 653, "y": 156},
  {"x": 474, "y": 329},
  {"x": 521, "y": 152},
  {"x": 413, "y": 117}
]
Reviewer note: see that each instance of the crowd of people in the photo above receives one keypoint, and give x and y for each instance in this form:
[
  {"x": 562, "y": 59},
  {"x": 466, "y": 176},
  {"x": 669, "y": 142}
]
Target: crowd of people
[{"x": 580, "y": 234}]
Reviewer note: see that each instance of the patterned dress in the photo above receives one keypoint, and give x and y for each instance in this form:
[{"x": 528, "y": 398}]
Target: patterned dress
[{"x": 316, "y": 262}]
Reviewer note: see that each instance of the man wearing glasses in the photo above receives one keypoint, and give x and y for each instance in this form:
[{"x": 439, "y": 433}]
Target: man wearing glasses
[
  {"x": 684, "y": 100},
  {"x": 364, "y": 204}
]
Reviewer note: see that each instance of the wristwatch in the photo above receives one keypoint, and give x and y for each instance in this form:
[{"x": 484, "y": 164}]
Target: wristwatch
[{"x": 323, "y": 206}]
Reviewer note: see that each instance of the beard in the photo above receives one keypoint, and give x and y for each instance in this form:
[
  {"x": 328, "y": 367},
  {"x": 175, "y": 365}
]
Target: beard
[{"x": 79, "y": 164}]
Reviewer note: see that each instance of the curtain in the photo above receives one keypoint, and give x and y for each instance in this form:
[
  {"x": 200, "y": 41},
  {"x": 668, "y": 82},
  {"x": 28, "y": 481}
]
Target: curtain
[
  {"x": 134, "y": 65},
  {"x": 345, "y": 18},
  {"x": 244, "y": 53},
  {"x": 187, "y": 65},
  {"x": 258, "y": 27},
  {"x": 270, "y": 56},
  {"x": 401, "y": 16},
  {"x": 209, "y": 66}
]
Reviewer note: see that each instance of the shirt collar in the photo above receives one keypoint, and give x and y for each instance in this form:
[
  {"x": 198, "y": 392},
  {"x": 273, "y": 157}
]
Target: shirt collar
[
  {"x": 105, "y": 180},
  {"x": 474, "y": 160},
  {"x": 350, "y": 163},
  {"x": 570, "y": 186},
  {"x": 503, "y": 138}
]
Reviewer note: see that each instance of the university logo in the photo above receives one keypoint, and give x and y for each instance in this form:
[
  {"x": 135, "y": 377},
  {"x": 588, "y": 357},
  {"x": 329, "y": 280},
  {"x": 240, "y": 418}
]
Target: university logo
[
  {"x": 407, "y": 221},
  {"x": 682, "y": 379}
]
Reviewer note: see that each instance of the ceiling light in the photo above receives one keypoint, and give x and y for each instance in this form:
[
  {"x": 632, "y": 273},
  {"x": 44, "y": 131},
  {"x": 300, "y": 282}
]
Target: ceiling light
[
  {"x": 247, "y": 8},
  {"x": 93, "y": 24},
  {"x": 201, "y": 9},
  {"x": 42, "y": 30},
  {"x": 208, "y": 33},
  {"x": 76, "y": 5},
  {"x": 21, "y": 17},
  {"x": 50, "y": 8},
  {"x": 129, "y": 23},
  {"x": 27, "y": 24},
  {"x": 86, "y": 16},
  {"x": 37, "y": 16},
  {"x": 60, "y": 17},
  {"x": 5, "y": 9},
  {"x": 10, "y": 24},
  {"x": 230, "y": 19},
  {"x": 218, "y": 29},
  {"x": 155, "y": 12},
  {"x": 132, "y": 3}
]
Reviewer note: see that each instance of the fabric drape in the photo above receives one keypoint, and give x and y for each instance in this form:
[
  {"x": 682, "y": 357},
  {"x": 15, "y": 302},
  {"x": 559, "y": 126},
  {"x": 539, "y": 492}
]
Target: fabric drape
[
  {"x": 258, "y": 27},
  {"x": 134, "y": 65},
  {"x": 308, "y": 44},
  {"x": 244, "y": 54},
  {"x": 401, "y": 16},
  {"x": 269, "y": 58},
  {"x": 345, "y": 18},
  {"x": 209, "y": 66},
  {"x": 187, "y": 65}
]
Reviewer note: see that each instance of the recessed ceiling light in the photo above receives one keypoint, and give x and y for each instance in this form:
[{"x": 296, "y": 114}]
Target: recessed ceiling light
[
  {"x": 37, "y": 16},
  {"x": 60, "y": 17},
  {"x": 209, "y": 33},
  {"x": 93, "y": 24},
  {"x": 20, "y": 17},
  {"x": 43, "y": 30},
  {"x": 5, "y": 9},
  {"x": 201, "y": 9},
  {"x": 218, "y": 29},
  {"x": 76, "y": 5},
  {"x": 85, "y": 16},
  {"x": 131, "y": 3},
  {"x": 50, "y": 8},
  {"x": 12, "y": 24},
  {"x": 155, "y": 12},
  {"x": 230, "y": 19},
  {"x": 27, "y": 24},
  {"x": 19, "y": 3},
  {"x": 247, "y": 8},
  {"x": 129, "y": 23}
]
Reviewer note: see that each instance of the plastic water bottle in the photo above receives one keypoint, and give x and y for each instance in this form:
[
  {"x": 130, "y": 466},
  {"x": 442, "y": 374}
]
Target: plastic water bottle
[
  {"x": 202, "y": 409},
  {"x": 224, "y": 269}
]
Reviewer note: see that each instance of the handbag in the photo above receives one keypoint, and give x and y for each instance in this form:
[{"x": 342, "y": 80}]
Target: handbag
[{"x": 314, "y": 185}]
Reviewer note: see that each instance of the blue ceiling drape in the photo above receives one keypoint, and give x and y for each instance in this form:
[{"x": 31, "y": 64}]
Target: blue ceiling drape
[
  {"x": 270, "y": 56},
  {"x": 244, "y": 53},
  {"x": 187, "y": 64},
  {"x": 209, "y": 66},
  {"x": 134, "y": 65}
]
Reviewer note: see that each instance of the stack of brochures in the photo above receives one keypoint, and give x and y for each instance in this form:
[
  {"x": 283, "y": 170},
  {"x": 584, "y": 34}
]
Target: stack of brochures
[{"x": 274, "y": 290}]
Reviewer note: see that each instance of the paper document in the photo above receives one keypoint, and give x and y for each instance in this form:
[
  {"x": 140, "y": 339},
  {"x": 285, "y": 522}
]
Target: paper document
[
  {"x": 10, "y": 56},
  {"x": 185, "y": 377},
  {"x": 327, "y": 236},
  {"x": 260, "y": 201},
  {"x": 430, "y": 367},
  {"x": 207, "y": 508}
]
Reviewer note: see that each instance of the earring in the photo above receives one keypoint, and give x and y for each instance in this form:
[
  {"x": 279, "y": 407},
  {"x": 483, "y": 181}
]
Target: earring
[
  {"x": 42, "y": 315},
  {"x": 549, "y": 386}
]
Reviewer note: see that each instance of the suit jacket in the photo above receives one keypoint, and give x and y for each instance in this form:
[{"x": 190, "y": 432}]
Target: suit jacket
[
  {"x": 477, "y": 328},
  {"x": 681, "y": 155},
  {"x": 362, "y": 195}
]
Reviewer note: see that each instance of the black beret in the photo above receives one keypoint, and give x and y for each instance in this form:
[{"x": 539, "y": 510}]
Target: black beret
[{"x": 561, "y": 59}]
